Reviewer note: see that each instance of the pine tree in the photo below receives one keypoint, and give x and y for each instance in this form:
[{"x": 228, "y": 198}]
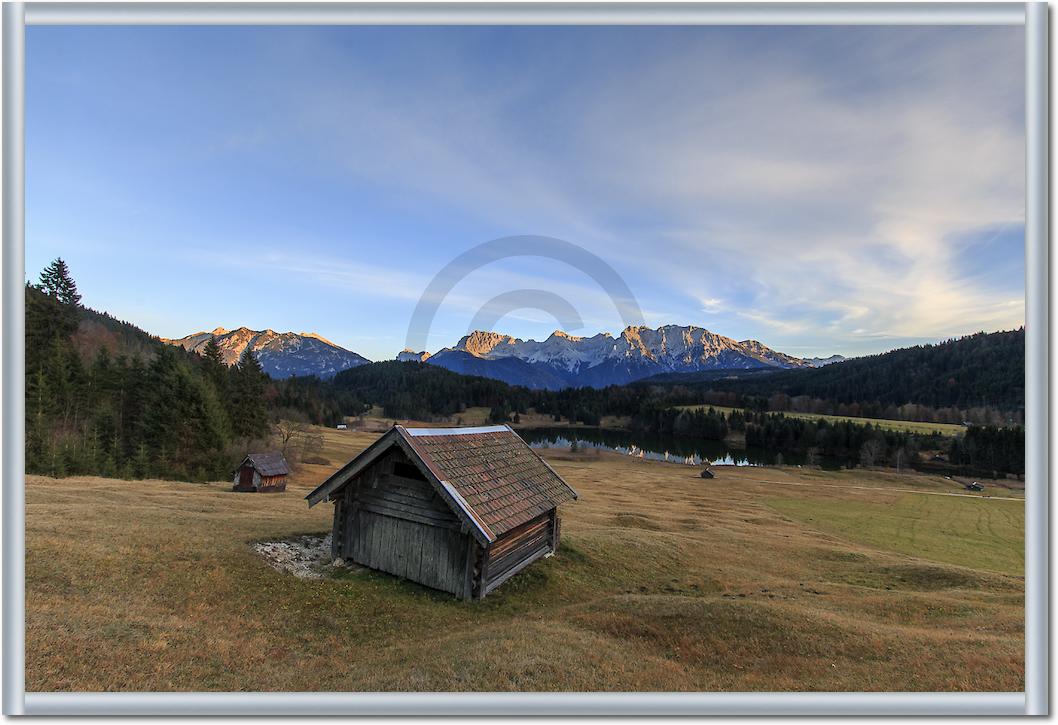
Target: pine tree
[
  {"x": 211, "y": 352},
  {"x": 249, "y": 415},
  {"x": 57, "y": 282},
  {"x": 214, "y": 367},
  {"x": 140, "y": 465}
]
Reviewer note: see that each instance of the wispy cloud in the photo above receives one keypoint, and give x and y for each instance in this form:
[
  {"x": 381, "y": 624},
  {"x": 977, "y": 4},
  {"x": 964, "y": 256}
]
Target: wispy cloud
[
  {"x": 712, "y": 305},
  {"x": 811, "y": 187}
]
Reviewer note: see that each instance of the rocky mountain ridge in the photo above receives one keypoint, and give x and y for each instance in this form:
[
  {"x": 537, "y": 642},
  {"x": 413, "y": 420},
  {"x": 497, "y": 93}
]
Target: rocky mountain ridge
[
  {"x": 564, "y": 360},
  {"x": 281, "y": 354},
  {"x": 560, "y": 361}
]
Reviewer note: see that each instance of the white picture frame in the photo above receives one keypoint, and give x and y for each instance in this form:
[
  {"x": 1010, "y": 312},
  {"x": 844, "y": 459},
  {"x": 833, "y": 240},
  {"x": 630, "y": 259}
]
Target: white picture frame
[{"x": 1035, "y": 699}]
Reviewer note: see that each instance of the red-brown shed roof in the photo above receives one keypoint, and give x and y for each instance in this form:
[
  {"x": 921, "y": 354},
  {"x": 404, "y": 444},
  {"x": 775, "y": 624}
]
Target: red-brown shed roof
[
  {"x": 502, "y": 480},
  {"x": 271, "y": 463},
  {"x": 489, "y": 474}
]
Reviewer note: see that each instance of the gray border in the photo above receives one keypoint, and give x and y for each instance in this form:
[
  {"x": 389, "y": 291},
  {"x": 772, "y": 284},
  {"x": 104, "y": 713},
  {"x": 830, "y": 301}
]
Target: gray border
[
  {"x": 1036, "y": 698},
  {"x": 560, "y": 703},
  {"x": 1037, "y": 364},
  {"x": 14, "y": 358},
  {"x": 520, "y": 13}
]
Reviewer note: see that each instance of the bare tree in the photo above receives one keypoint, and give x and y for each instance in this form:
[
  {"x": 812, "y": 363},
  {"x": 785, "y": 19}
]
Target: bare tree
[
  {"x": 289, "y": 428},
  {"x": 899, "y": 455},
  {"x": 870, "y": 451}
]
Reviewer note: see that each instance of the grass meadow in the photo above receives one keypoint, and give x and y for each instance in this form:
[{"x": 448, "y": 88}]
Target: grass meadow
[
  {"x": 761, "y": 579},
  {"x": 911, "y": 426}
]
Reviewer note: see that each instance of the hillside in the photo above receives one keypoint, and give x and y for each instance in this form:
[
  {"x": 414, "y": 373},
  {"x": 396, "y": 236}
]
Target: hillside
[
  {"x": 421, "y": 391},
  {"x": 983, "y": 370},
  {"x": 90, "y": 331}
]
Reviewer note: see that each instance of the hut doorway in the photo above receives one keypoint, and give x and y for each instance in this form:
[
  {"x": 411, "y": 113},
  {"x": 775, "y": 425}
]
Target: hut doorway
[{"x": 246, "y": 477}]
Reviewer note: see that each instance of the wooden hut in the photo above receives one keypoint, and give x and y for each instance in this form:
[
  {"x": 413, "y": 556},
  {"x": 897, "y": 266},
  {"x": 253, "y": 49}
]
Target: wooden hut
[
  {"x": 261, "y": 472},
  {"x": 456, "y": 509}
]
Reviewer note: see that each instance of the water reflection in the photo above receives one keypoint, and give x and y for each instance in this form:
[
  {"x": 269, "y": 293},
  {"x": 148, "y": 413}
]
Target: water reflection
[{"x": 691, "y": 452}]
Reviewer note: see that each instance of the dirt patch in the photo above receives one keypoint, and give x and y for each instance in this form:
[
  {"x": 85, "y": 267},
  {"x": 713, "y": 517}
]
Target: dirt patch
[{"x": 306, "y": 557}]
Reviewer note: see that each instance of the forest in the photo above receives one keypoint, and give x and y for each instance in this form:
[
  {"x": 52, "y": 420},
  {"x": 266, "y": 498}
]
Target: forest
[
  {"x": 104, "y": 397},
  {"x": 978, "y": 378}
]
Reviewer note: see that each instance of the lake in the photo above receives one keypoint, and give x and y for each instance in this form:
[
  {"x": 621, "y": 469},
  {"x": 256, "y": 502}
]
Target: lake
[{"x": 689, "y": 451}]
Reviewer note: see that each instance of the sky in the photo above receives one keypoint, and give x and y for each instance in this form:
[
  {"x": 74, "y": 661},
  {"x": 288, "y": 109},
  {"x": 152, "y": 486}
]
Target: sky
[{"x": 820, "y": 189}]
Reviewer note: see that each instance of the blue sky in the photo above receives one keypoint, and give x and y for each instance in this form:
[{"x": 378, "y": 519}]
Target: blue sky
[{"x": 823, "y": 190}]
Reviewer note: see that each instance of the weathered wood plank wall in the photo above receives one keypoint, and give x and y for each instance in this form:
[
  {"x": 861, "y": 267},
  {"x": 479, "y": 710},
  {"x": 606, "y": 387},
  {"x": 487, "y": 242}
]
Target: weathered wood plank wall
[
  {"x": 398, "y": 524},
  {"x": 515, "y": 550}
]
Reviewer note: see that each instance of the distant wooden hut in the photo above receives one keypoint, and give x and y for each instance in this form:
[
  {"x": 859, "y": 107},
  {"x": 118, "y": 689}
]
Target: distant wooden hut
[
  {"x": 456, "y": 509},
  {"x": 261, "y": 472}
]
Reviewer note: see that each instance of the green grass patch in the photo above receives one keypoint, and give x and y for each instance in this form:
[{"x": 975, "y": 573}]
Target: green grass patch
[
  {"x": 978, "y": 533},
  {"x": 911, "y": 426}
]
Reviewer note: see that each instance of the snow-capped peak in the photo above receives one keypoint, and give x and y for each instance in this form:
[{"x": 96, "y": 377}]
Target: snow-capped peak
[
  {"x": 669, "y": 348},
  {"x": 409, "y": 355}
]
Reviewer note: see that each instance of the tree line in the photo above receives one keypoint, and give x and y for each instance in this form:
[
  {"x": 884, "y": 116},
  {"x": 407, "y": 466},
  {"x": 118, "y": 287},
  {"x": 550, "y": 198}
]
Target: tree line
[
  {"x": 846, "y": 440},
  {"x": 425, "y": 392},
  {"x": 990, "y": 448}
]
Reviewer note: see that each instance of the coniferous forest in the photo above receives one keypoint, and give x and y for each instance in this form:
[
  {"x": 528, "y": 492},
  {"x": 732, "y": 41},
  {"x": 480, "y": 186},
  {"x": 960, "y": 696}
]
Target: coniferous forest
[
  {"x": 977, "y": 375},
  {"x": 104, "y": 397}
]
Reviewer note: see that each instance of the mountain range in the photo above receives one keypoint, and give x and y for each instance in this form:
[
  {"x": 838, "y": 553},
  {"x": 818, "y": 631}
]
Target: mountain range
[
  {"x": 560, "y": 361},
  {"x": 281, "y": 354},
  {"x": 639, "y": 352}
]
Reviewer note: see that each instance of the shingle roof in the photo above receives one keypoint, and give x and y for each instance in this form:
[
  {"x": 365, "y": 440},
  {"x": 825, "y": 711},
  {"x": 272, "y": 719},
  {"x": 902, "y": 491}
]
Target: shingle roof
[
  {"x": 268, "y": 464},
  {"x": 502, "y": 481},
  {"x": 490, "y": 475}
]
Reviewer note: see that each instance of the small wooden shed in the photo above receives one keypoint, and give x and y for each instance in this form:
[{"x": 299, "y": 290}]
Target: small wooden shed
[
  {"x": 262, "y": 472},
  {"x": 456, "y": 509}
]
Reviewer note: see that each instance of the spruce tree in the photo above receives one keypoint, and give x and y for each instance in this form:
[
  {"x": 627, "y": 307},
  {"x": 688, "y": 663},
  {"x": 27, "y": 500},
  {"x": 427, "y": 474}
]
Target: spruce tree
[
  {"x": 211, "y": 352},
  {"x": 249, "y": 415},
  {"x": 57, "y": 282},
  {"x": 215, "y": 369}
]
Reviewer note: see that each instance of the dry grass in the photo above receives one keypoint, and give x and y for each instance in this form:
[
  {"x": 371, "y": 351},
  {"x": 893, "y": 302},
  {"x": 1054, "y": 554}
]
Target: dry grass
[{"x": 758, "y": 580}]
